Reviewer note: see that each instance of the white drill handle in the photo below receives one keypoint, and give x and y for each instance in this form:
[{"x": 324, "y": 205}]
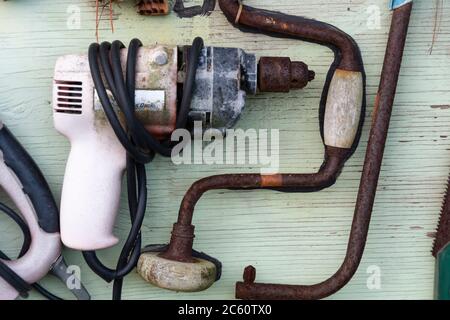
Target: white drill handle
[
  {"x": 91, "y": 194},
  {"x": 93, "y": 178}
]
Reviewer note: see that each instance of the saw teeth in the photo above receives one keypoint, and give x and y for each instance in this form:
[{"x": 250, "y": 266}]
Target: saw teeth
[
  {"x": 153, "y": 7},
  {"x": 443, "y": 229}
]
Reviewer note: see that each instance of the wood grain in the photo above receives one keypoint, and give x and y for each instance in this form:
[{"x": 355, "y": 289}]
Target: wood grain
[{"x": 290, "y": 238}]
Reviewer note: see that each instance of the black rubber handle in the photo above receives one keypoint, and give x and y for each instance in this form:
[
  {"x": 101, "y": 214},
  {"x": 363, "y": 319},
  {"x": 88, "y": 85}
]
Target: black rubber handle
[{"x": 32, "y": 180}]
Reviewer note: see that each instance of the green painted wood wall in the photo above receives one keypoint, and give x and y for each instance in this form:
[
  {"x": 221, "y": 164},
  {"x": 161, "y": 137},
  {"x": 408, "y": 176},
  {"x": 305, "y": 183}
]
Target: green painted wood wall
[{"x": 290, "y": 238}]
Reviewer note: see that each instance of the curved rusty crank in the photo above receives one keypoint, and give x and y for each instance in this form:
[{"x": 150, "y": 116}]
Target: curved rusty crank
[
  {"x": 368, "y": 186},
  {"x": 341, "y": 116},
  {"x": 348, "y": 60}
]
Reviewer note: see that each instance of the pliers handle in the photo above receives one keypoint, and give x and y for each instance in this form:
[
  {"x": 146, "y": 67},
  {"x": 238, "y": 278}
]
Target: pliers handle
[{"x": 23, "y": 182}]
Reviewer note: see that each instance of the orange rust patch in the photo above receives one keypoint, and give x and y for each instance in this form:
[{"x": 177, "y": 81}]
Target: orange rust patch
[
  {"x": 271, "y": 181},
  {"x": 375, "y": 107}
]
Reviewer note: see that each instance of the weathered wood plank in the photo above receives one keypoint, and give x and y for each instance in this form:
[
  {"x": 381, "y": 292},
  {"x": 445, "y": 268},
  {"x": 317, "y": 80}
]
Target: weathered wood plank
[{"x": 292, "y": 238}]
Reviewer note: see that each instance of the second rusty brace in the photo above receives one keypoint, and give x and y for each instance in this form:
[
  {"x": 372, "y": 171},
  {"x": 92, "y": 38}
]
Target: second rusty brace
[{"x": 177, "y": 266}]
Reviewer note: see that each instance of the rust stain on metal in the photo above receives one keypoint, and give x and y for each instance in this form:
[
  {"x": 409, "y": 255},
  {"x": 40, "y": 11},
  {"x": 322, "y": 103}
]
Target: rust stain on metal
[
  {"x": 368, "y": 185},
  {"x": 153, "y": 7},
  {"x": 281, "y": 74},
  {"x": 295, "y": 27},
  {"x": 180, "y": 247},
  {"x": 271, "y": 181}
]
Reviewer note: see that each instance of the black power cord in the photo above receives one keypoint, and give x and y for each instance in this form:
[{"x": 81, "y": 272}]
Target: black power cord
[
  {"x": 140, "y": 145},
  {"x": 8, "y": 274}
]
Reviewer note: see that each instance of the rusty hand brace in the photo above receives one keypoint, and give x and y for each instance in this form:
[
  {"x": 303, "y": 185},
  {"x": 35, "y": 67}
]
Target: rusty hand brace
[
  {"x": 341, "y": 110},
  {"x": 368, "y": 186},
  {"x": 343, "y": 98}
]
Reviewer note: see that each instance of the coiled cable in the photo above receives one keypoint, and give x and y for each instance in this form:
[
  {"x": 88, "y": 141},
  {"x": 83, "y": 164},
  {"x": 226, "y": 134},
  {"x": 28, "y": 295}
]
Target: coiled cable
[{"x": 140, "y": 145}]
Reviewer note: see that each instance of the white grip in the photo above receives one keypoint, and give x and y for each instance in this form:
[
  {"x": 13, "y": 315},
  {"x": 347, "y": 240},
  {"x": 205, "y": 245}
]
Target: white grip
[
  {"x": 343, "y": 108},
  {"x": 91, "y": 194}
]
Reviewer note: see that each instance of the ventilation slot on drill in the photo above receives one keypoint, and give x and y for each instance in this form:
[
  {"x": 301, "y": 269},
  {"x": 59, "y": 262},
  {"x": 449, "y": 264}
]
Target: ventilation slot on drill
[{"x": 69, "y": 96}]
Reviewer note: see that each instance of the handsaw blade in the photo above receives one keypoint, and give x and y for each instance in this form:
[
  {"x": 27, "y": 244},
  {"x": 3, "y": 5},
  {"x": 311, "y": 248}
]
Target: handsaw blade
[{"x": 443, "y": 231}]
